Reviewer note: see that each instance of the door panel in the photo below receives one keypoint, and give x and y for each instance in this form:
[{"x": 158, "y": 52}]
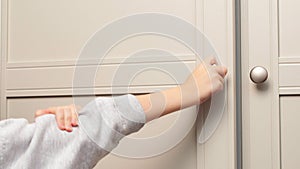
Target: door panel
[
  {"x": 270, "y": 39},
  {"x": 289, "y": 69},
  {"x": 290, "y": 136},
  {"x": 42, "y": 40},
  {"x": 26, "y": 107},
  {"x": 289, "y": 28},
  {"x": 289, "y": 36},
  {"x": 288, "y": 75},
  {"x": 260, "y": 102},
  {"x": 218, "y": 25},
  {"x": 56, "y": 30},
  {"x": 183, "y": 156},
  {"x": 112, "y": 75}
]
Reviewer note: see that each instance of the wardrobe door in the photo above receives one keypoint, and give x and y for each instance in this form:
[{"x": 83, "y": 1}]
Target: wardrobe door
[{"x": 42, "y": 41}]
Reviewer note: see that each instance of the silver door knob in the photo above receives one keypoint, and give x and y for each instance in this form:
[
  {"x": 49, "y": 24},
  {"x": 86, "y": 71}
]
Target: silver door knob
[{"x": 258, "y": 74}]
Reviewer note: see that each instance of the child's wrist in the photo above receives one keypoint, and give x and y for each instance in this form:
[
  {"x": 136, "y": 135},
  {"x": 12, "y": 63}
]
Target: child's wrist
[{"x": 190, "y": 95}]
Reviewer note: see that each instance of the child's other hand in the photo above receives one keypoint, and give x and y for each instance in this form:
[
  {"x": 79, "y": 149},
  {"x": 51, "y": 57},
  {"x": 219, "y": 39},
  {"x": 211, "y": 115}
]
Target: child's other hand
[{"x": 66, "y": 116}]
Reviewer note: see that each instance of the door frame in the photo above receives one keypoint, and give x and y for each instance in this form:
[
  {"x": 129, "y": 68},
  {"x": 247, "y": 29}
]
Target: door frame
[
  {"x": 260, "y": 46},
  {"x": 1, "y": 65},
  {"x": 3, "y": 43}
]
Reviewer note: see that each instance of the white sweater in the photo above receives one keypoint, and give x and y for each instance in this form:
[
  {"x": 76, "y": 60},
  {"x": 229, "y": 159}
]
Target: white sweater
[{"x": 41, "y": 145}]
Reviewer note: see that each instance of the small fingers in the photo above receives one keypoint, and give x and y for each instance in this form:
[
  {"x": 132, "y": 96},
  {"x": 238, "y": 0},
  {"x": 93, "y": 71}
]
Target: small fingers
[
  {"x": 66, "y": 116},
  {"x": 60, "y": 118},
  {"x": 221, "y": 70},
  {"x": 74, "y": 116},
  {"x": 68, "y": 119}
]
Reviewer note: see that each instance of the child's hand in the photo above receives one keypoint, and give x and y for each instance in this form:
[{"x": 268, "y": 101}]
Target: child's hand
[
  {"x": 206, "y": 79},
  {"x": 66, "y": 116}
]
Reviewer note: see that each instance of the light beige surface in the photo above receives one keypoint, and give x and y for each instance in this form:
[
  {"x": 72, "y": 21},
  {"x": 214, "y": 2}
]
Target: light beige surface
[
  {"x": 289, "y": 33},
  {"x": 289, "y": 82},
  {"x": 290, "y": 136},
  {"x": 288, "y": 74},
  {"x": 183, "y": 154},
  {"x": 26, "y": 107},
  {"x": 56, "y": 30},
  {"x": 260, "y": 103},
  {"x": 111, "y": 75},
  {"x": 1, "y": 68},
  {"x": 270, "y": 127},
  {"x": 289, "y": 28},
  {"x": 43, "y": 40},
  {"x": 216, "y": 20},
  {"x": 2, "y": 62}
]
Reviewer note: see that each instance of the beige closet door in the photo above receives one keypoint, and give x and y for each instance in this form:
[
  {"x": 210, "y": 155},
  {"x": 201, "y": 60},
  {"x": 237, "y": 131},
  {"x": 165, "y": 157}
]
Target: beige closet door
[
  {"x": 270, "y": 39},
  {"x": 41, "y": 41}
]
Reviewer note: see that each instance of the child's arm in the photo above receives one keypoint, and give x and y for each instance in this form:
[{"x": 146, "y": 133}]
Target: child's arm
[{"x": 205, "y": 80}]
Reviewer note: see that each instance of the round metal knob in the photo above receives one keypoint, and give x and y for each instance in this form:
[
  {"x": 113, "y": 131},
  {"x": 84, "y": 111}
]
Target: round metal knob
[{"x": 258, "y": 74}]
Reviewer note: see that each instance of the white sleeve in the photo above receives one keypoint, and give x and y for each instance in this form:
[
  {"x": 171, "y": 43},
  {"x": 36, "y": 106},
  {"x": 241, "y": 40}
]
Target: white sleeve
[{"x": 102, "y": 124}]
